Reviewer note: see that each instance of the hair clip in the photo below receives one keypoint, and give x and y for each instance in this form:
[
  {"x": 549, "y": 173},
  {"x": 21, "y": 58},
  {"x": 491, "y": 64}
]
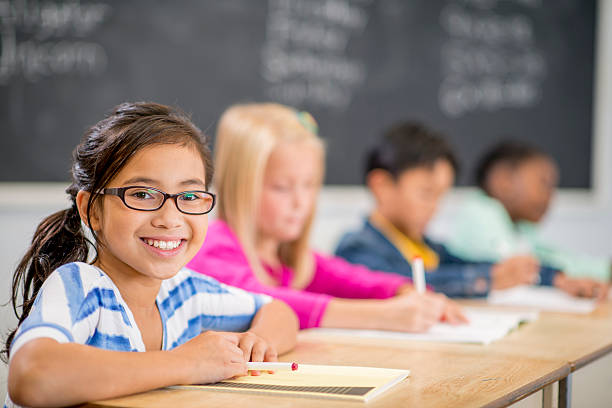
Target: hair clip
[{"x": 308, "y": 121}]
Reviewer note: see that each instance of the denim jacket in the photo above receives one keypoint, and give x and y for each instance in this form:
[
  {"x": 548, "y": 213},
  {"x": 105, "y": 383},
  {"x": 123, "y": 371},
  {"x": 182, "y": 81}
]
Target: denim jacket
[{"x": 454, "y": 276}]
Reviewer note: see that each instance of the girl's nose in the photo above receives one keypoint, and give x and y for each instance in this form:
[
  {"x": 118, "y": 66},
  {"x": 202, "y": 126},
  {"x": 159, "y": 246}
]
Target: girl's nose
[{"x": 168, "y": 216}]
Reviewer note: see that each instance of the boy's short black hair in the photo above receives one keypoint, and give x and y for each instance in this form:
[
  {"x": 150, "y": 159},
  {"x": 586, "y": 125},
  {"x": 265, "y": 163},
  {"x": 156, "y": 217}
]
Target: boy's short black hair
[
  {"x": 407, "y": 145},
  {"x": 511, "y": 152}
]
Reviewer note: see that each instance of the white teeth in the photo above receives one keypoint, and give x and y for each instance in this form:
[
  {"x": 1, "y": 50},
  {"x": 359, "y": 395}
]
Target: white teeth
[{"x": 165, "y": 245}]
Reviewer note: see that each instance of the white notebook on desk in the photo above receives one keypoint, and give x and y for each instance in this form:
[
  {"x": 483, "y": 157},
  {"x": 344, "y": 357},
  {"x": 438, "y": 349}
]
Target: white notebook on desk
[
  {"x": 484, "y": 327},
  {"x": 541, "y": 298}
]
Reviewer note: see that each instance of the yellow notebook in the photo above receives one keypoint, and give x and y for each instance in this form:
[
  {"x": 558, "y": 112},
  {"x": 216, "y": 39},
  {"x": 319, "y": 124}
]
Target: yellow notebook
[{"x": 319, "y": 381}]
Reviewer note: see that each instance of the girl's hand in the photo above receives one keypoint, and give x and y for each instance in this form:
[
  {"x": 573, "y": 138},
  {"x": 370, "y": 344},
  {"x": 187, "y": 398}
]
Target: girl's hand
[
  {"x": 414, "y": 312},
  {"x": 211, "y": 357},
  {"x": 581, "y": 287},
  {"x": 255, "y": 348},
  {"x": 453, "y": 313}
]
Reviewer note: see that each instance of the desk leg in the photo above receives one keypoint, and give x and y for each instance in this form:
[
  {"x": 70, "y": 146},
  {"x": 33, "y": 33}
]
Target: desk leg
[
  {"x": 547, "y": 396},
  {"x": 565, "y": 392}
]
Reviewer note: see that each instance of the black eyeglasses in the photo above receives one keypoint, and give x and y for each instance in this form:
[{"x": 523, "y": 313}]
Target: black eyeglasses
[{"x": 141, "y": 198}]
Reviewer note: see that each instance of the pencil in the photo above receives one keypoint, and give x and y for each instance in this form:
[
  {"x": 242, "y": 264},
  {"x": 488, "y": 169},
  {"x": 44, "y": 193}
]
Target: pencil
[
  {"x": 271, "y": 366},
  {"x": 418, "y": 274}
]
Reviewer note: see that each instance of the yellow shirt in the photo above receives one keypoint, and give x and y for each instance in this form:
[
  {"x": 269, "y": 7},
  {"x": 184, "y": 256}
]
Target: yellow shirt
[{"x": 407, "y": 247}]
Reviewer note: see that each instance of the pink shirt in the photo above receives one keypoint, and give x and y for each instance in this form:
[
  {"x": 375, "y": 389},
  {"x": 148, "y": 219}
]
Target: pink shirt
[{"x": 222, "y": 258}]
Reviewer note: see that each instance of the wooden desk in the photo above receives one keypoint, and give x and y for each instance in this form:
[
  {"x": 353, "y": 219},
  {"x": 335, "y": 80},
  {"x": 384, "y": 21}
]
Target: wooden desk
[
  {"x": 577, "y": 339},
  {"x": 458, "y": 375},
  {"x": 438, "y": 378},
  {"x": 571, "y": 338},
  {"x": 574, "y": 338}
]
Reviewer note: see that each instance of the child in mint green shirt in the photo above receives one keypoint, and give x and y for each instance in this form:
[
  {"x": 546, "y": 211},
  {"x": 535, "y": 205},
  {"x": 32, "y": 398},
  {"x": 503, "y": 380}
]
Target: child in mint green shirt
[{"x": 517, "y": 182}]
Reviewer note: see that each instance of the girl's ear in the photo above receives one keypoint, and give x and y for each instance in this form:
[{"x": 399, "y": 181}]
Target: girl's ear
[{"x": 82, "y": 200}]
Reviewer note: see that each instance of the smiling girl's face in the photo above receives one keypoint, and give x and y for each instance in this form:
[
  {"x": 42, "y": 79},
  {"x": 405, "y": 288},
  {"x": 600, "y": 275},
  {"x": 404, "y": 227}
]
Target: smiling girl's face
[{"x": 155, "y": 244}]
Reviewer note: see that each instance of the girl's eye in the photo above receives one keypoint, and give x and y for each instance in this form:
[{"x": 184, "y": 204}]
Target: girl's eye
[
  {"x": 281, "y": 187},
  {"x": 189, "y": 197},
  {"x": 142, "y": 194}
]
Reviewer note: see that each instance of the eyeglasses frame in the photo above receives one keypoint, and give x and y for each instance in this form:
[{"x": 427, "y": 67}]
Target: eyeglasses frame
[{"x": 120, "y": 192}]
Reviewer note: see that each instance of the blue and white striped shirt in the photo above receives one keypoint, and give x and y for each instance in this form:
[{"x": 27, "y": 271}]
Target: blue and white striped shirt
[{"x": 79, "y": 303}]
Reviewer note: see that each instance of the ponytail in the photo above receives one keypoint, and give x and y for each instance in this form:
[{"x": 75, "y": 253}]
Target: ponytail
[{"x": 58, "y": 240}]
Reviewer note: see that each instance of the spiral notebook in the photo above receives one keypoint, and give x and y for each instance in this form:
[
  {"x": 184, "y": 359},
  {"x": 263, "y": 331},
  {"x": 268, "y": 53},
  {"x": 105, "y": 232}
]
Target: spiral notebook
[{"x": 315, "y": 381}]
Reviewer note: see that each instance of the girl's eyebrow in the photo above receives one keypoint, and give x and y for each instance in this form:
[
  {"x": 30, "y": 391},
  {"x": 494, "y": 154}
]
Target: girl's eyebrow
[
  {"x": 192, "y": 182},
  {"x": 147, "y": 180},
  {"x": 144, "y": 180}
]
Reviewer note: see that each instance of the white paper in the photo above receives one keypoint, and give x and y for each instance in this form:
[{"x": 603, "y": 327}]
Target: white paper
[
  {"x": 541, "y": 298},
  {"x": 484, "y": 327}
]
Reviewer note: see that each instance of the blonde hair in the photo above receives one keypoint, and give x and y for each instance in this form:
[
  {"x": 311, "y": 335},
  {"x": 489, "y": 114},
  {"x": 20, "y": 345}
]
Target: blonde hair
[{"x": 246, "y": 137}]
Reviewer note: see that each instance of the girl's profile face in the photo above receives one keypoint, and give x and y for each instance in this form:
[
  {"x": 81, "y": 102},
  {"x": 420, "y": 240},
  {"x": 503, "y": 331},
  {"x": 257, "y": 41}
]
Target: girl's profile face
[
  {"x": 533, "y": 185},
  {"x": 290, "y": 185},
  {"x": 153, "y": 243}
]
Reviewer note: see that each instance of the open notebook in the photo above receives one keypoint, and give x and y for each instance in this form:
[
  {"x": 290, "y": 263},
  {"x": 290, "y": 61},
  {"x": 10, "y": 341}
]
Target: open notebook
[
  {"x": 484, "y": 327},
  {"x": 320, "y": 381},
  {"x": 542, "y": 298}
]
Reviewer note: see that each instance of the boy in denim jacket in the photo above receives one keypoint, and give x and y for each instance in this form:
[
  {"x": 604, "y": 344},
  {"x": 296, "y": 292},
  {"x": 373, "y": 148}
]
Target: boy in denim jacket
[{"x": 408, "y": 172}]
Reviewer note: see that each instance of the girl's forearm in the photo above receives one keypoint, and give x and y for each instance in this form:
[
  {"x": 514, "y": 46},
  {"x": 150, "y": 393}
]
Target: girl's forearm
[
  {"x": 46, "y": 373},
  {"x": 277, "y": 324},
  {"x": 353, "y": 314}
]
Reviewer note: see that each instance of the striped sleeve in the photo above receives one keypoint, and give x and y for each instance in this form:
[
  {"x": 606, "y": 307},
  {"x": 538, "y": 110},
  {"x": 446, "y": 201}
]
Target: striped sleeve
[
  {"x": 55, "y": 310},
  {"x": 195, "y": 303}
]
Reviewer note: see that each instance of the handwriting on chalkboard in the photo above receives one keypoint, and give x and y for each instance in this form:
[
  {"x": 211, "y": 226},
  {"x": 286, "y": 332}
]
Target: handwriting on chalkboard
[
  {"x": 489, "y": 61},
  {"x": 304, "y": 57},
  {"x": 46, "y": 38},
  {"x": 477, "y": 70}
]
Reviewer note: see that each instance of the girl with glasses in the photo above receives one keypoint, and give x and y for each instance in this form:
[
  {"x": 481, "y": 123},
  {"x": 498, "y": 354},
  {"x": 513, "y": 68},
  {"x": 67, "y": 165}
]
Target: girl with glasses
[
  {"x": 139, "y": 185},
  {"x": 269, "y": 170}
]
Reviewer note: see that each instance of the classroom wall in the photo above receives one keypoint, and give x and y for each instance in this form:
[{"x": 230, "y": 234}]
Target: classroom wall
[{"x": 577, "y": 220}]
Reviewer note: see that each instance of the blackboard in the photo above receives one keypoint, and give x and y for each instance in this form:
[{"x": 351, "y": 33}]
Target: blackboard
[{"x": 477, "y": 70}]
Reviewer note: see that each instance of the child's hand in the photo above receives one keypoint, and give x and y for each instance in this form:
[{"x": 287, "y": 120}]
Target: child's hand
[
  {"x": 414, "y": 312},
  {"x": 453, "y": 313},
  {"x": 581, "y": 287},
  {"x": 211, "y": 357},
  {"x": 255, "y": 348},
  {"x": 518, "y": 270}
]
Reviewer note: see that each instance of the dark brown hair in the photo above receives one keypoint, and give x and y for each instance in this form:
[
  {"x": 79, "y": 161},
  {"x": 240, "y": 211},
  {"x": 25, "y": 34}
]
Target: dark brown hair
[
  {"x": 104, "y": 150},
  {"x": 407, "y": 145},
  {"x": 510, "y": 152}
]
